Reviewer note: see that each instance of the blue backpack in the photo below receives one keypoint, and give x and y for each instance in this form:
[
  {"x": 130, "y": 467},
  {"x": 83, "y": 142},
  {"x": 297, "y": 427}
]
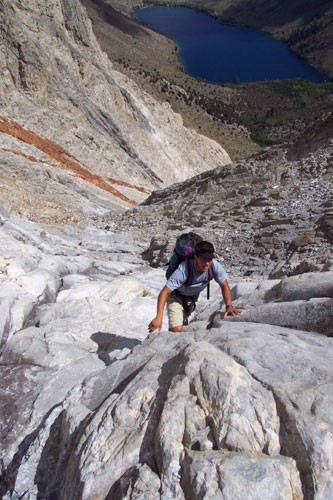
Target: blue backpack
[{"x": 184, "y": 251}]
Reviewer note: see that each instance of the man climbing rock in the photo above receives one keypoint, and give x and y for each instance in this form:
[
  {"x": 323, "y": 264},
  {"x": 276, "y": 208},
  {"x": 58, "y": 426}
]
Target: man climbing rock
[{"x": 183, "y": 287}]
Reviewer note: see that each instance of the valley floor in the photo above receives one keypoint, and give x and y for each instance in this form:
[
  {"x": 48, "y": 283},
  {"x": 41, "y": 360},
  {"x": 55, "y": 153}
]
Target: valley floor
[{"x": 242, "y": 118}]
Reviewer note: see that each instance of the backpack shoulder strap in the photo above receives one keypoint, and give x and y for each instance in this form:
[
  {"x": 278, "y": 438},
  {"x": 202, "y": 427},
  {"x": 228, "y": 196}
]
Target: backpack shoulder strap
[
  {"x": 189, "y": 271},
  {"x": 211, "y": 275}
]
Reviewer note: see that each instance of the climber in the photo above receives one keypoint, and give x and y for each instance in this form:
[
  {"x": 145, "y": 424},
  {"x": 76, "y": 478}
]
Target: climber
[{"x": 183, "y": 287}]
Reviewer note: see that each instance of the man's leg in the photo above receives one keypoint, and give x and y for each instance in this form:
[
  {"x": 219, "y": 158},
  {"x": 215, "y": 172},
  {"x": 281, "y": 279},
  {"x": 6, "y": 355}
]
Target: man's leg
[
  {"x": 176, "y": 314},
  {"x": 176, "y": 329}
]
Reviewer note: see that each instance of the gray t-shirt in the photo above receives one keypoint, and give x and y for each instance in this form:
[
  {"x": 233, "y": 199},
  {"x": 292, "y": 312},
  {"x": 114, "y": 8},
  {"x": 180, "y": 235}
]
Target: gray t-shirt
[{"x": 199, "y": 280}]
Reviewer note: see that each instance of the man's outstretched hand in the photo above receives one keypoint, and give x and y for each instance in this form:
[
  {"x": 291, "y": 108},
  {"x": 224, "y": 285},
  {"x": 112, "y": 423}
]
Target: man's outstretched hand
[
  {"x": 155, "y": 324},
  {"x": 231, "y": 311}
]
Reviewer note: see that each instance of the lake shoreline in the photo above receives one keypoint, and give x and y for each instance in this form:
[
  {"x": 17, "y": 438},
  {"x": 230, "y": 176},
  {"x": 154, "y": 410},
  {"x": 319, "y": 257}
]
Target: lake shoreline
[
  {"x": 224, "y": 53},
  {"x": 286, "y": 26}
]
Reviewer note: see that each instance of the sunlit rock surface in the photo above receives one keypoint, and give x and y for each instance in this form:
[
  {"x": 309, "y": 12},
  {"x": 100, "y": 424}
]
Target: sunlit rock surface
[{"x": 92, "y": 408}]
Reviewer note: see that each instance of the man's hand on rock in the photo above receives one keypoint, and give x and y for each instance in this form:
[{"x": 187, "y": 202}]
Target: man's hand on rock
[{"x": 231, "y": 311}]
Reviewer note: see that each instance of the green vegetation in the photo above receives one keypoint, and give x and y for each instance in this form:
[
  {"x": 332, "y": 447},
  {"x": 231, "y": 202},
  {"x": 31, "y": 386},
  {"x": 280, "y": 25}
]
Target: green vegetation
[
  {"x": 299, "y": 88},
  {"x": 290, "y": 101},
  {"x": 257, "y": 134}
]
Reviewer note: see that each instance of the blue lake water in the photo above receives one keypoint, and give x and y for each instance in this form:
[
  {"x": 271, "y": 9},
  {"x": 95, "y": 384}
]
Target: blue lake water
[{"x": 225, "y": 53}]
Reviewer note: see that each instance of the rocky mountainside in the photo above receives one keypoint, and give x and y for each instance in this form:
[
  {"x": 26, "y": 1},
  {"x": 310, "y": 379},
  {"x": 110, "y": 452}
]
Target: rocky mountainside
[
  {"x": 270, "y": 214},
  {"x": 66, "y": 112}
]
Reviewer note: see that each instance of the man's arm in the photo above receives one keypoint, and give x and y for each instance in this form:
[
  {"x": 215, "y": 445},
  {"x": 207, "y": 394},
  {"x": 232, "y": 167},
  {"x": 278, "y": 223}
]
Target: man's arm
[
  {"x": 227, "y": 297},
  {"x": 161, "y": 301}
]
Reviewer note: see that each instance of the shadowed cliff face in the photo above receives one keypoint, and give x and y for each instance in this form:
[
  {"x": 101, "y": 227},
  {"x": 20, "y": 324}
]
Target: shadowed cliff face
[
  {"x": 274, "y": 14},
  {"x": 255, "y": 12},
  {"x": 318, "y": 136}
]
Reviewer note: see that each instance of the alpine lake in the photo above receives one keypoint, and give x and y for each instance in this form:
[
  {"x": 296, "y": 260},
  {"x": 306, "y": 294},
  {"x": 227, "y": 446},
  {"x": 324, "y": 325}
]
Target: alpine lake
[{"x": 225, "y": 53}]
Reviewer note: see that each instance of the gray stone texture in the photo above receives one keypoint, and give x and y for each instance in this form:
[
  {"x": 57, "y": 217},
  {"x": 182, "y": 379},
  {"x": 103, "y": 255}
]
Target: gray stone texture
[{"x": 91, "y": 407}]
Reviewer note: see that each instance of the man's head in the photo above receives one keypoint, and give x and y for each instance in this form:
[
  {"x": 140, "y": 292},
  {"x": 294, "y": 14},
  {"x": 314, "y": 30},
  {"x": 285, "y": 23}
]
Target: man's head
[{"x": 203, "y": 256}]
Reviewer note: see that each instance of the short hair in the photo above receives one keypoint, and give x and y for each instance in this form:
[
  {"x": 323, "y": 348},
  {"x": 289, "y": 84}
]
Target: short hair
[{"x": 204, "y": 247}]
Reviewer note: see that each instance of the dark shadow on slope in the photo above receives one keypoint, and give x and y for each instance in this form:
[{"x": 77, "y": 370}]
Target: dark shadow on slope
[
  {"x": 149, "y": 447},
  {"x": 54, "y": 460},
  {"x": 115, "y": 18},
  {"x": 109, "y": 342},
  {"x": 58, "y": 475},
  {"x": 120, "y": 488},
  {"x": 9, "y": 474}
]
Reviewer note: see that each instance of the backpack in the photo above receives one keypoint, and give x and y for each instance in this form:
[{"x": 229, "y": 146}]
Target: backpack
[{"x": 184, "y": 250}]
